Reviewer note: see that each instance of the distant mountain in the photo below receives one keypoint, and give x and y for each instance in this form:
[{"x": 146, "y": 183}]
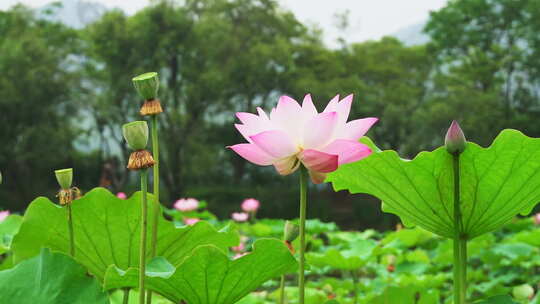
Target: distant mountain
[
  {"x": 412, "y": 34},
  {"x": 74, "y": 13}
]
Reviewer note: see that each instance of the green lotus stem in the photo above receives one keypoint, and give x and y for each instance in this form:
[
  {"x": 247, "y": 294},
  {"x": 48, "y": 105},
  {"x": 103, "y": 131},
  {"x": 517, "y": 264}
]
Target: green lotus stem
[
  {"x": 70, "y": 228},
  {"x": 155, "y": 152},
  {"x": 460, "y": 241},
  {"x": 354, "y": 276},
  {"x": 142, "y": 250},
  {"x": 126, "y": 296},
  {"x": 303, "y": 198},
  {"x": 282, "y": 290}
]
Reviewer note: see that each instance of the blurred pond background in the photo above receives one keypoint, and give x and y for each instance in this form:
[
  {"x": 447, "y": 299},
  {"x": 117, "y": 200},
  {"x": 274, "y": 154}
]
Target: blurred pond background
[{"x": 65, "y": 89}]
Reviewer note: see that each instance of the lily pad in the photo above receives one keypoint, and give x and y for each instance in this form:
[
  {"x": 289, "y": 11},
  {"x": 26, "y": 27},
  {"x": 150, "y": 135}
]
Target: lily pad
[
  {"x": 8, "y": 228},
  {"x": 497, "y": 300},
  {"x": 350, "y": 259},
  {"x": 107, "y": 232},
  {"x": 496, "y": 183},
  {"x": 49, "y": 278},
  {"x": 209, "y": 276}
]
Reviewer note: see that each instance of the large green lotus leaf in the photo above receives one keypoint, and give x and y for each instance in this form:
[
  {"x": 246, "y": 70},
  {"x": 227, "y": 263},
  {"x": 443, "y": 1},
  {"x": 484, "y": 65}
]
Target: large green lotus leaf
[
  {"x": 50, "y": 278},
  {"x": 497, "y": 300},
  {"x": 208, "y": 276},
  {"x": 107, "y": 232},
  {"x": 496, "y": 184},
  {"x": 8, "y": 228}
]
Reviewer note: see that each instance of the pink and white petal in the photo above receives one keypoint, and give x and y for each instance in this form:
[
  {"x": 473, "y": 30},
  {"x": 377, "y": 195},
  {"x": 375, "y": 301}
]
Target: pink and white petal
[
  {"x": 262, "y": 113},
  {"x": 286, "y": 117},
  {"x": 253, "y": 154},
  {"x": 319, "y": 161},
  {"x": 246, "y": 131},
  {"x": 308, "y": 108},
  {"x": 355, "y": 129},
  {"x": 247, "y": 118},
  {"x": 348, "y": 151},
  {"x": 275, "y": 142},
  {"x": 317, "y": 177},
  {"x": 332, "y": 104},
  {"x": 319, "y": 130},
  {"x": 344, "y": 108},
  {"x": 287, "y": 107},
  {"x": 286, "y": 166}
]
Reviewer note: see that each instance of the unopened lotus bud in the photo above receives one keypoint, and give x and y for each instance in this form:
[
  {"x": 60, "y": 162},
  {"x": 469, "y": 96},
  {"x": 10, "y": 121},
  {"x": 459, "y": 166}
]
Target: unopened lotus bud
[
  {"x": 523, "y": 292},
  {"x": 455, "y": 141},
  {"x": 64, "y": 177},
  {"x": 291, "y": 231},
  {"x": 136, "y": 134},
  {"x": 147, "y": 85}
]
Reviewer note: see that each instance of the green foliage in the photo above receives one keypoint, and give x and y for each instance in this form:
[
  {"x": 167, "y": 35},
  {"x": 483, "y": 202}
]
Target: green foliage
[
  {"x": 208, "y": 276},
  {"x": 8, "y": 228},
  {"x": 106, "y": 231},
  {"x": 496, "y": 184},
  {"x": 49, "y": 278},
  {"x": 350, "y": 259},
  {"x": 37, "y": 132}
]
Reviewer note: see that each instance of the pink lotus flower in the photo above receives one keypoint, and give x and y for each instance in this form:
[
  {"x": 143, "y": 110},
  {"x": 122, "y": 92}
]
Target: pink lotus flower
[
  {"x": 241, "y": 247},
  {"x": 536, "y": 219},
  {"x": 121, "y": 195},
  {"x": 4, "y": 215},
  {"x": 191, "y": 221},
  {"x": 240, "y": 216},
  {"x": 186, "y": 204},
  {"x": 250, "y": 205},
  {"x": 295, "y": 134}
]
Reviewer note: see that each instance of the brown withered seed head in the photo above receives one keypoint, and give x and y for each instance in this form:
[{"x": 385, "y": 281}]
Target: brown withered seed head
[
  {"x": 151, "y": 107},
  {"x": 140, "y": 159},
  {"x": 65, "y": 196}
]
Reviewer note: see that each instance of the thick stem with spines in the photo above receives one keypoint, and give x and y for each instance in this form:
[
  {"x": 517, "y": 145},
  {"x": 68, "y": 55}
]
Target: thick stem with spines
[
  {"x": 157, "y": 209},
  {"x": 460, "y": 240},
  {"x": 142, "y": 248},
  {"x": 303, "y": 203}
]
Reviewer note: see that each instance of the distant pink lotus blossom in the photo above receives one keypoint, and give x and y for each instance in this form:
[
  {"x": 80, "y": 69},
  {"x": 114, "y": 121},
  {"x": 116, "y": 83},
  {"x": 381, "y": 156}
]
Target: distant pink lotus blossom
[
  {"x": 294, "y": 134},
  {"x": 4, "y": 215},
  {"x": 250, "y": 205},
  {"x": 536, "y": 219},
  {"x": 240, "y": 216},
  {"x": 186, "y": 204},
  {"x": 191, "y": 221},
  {"x": 241, "y": 247},
  {"x": 121, "y": 195}
]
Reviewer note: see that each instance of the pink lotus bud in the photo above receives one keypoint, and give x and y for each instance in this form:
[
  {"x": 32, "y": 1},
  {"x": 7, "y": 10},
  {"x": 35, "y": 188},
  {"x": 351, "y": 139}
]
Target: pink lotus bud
[
  {"x": 241, "y": 247},
  {"x": 250, "y": 205},
  {"x": 536, "y": 219},
  {"x": 121, "y": 195},
  {"x": 4, "y": 215},
  {"x": 186, "y": 204},
  {"x": 291, "y": 231},
  {"x": 455, "y": 141},
  {"x": 240, "y": 216},
  {"x": 191, "y": 221}
]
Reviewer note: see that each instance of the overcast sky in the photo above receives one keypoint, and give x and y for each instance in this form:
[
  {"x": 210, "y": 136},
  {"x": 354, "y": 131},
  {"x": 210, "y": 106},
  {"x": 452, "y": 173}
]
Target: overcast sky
[{"x": 369, "y": 19}]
